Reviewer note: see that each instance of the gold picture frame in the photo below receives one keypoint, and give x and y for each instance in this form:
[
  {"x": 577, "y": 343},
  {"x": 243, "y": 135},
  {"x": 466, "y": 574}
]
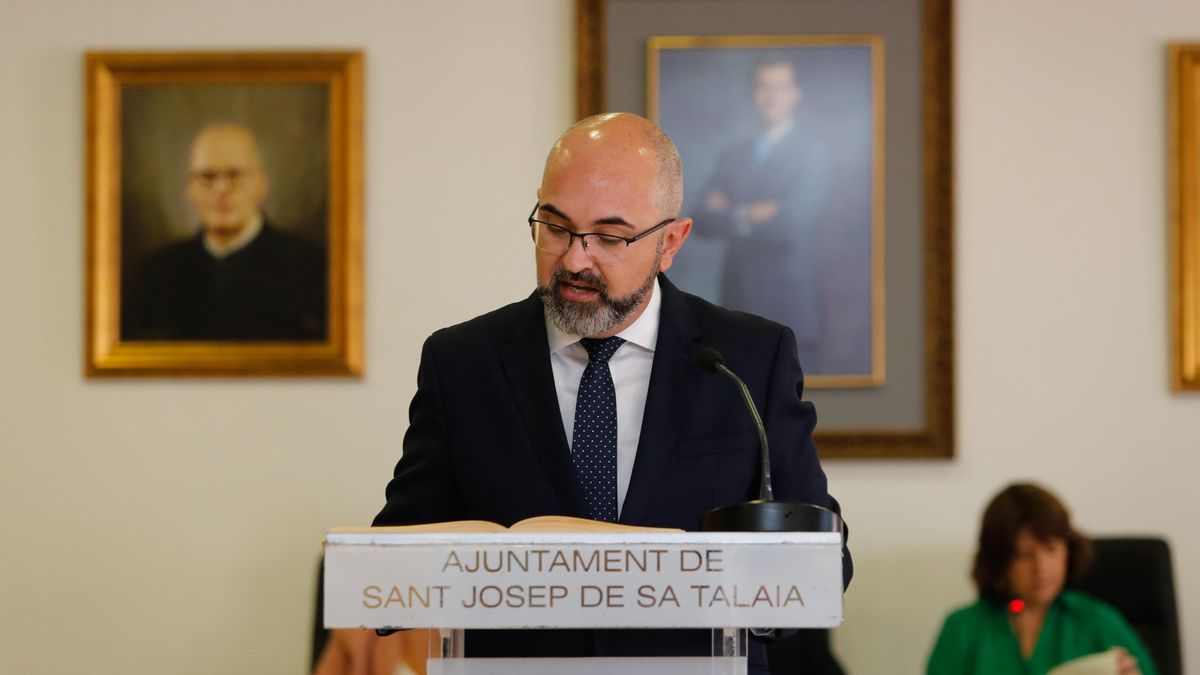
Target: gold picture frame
[
  {"x": 285, "y": 297},
  {"x": 1184, "y": 171},
  {"x": 917, "y": 421}
]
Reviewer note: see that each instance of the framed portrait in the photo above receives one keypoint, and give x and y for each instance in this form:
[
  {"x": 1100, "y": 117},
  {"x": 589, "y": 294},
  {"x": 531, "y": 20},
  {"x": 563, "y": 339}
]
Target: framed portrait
[
  {"x": 785, "y": 186},
  {"x": 794, "y": 120},
  {"x": 224, "y": 213},
  {"x": 1184, "y": 160}
]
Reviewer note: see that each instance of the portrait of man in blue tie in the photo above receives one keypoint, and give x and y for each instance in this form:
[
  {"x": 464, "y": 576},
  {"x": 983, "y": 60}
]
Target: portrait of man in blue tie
[{"x": 780, "y": 142}]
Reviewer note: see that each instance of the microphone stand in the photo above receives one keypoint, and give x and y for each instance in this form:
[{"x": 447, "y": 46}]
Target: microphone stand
[
  {"x": 765, "y": 493},
  {"x": 763, "y": 514}
]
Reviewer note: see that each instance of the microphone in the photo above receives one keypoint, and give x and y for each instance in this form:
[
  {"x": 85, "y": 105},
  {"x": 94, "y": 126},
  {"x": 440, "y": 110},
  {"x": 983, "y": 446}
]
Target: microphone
[
  {"x": 710, "y": 361},
  {"x": 763, "y": 514}
]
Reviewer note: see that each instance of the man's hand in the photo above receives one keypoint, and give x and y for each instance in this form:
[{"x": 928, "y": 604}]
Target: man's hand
[
  {"x": 758, "y": 212},
  {"x": 358, "y": 651}
]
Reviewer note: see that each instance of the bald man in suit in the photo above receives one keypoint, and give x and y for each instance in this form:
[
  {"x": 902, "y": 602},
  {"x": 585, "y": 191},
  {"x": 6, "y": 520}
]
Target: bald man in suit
[{"x": 504, "y": 423}]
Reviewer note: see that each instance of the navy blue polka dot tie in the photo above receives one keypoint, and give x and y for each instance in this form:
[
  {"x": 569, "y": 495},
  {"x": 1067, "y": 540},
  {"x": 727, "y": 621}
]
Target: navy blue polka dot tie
[{"x": 594, "y": 440}]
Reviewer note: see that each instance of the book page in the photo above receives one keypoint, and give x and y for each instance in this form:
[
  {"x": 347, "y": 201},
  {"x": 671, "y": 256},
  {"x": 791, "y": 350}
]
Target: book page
[
  {"x": 572, "y": 524},
  {"x": 448, "y": 526},
  {"x": 535, "y": 524},
  {"x": 1103, "y": 663}
]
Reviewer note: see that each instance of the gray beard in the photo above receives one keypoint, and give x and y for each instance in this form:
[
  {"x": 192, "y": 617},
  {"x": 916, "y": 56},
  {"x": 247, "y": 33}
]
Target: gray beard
[{"x": 592, "y": 318}]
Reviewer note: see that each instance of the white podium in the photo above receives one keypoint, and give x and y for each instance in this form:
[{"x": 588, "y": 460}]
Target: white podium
[{"x": 450, "y": 581}]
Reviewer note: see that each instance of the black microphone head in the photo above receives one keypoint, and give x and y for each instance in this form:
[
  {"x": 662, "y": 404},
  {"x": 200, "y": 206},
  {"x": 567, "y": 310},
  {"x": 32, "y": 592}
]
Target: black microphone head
[{"x": 707, "y": 358}]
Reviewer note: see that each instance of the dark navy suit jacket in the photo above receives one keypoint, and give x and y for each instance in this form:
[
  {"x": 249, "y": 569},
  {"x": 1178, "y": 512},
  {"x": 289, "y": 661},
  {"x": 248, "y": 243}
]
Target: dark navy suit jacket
[
  {"x": 273, "y": 289},
  {"x": 486, "y": 441},
  {"x": 772, "y": 270}
]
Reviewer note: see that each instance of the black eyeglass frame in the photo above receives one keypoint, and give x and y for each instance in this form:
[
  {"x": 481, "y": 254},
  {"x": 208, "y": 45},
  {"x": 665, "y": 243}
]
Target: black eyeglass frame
[{"x": 583, "y": 237}]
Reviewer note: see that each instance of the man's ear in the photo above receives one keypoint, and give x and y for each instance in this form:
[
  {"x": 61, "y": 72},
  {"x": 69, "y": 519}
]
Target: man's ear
[{"x": 677, "y": 233}]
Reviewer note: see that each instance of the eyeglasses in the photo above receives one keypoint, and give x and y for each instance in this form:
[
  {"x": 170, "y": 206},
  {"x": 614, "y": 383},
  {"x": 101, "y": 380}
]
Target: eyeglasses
[
  {"x": 208, "y": 178},
  {"x": 602, "y": 248}
]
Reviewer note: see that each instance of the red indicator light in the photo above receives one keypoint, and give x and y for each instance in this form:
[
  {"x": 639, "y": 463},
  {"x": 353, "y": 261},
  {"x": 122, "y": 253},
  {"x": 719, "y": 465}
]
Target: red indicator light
[{"x": 1016, "y": 606}]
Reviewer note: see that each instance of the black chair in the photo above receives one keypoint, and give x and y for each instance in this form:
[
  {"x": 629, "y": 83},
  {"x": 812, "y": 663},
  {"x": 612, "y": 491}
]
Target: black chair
[
  {"x": 806, "y": 652},
  {"x": 1134, "y": 575}
]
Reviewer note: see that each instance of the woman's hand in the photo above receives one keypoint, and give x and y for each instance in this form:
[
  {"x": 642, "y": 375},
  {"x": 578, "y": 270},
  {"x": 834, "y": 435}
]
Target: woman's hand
[{"x": 1126, "y": 664}]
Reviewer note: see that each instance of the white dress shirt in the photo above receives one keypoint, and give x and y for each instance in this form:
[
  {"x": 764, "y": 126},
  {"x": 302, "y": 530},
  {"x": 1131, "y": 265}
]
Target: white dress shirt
[
  {"x": 630, "y": 367},
  {"x": 240, "y": 241}
]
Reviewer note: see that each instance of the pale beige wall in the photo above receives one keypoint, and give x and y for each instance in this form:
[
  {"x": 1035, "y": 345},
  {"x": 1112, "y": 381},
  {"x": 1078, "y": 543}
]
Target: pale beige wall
[
  {"x": 1061, "y": 317},
  {"x": 172, "y": 526}
]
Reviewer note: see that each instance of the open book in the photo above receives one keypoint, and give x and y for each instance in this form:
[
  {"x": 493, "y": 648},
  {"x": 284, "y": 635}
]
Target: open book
[
  {"x": 1102, "y": 663},
  {"x": 535, "y": 524}
]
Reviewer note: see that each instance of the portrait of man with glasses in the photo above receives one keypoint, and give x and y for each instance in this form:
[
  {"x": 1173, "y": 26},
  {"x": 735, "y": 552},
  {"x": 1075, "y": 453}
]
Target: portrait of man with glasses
[
  {"x": 586, "y": 398},
  {"x": 239, "y": 276}
]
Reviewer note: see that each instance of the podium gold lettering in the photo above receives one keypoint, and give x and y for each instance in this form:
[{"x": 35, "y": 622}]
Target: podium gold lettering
[
  {"x": 590, "y": 596},
  {"x": 416, "y": 598},
  {"x": 406, "y": 596},
  {"x": 515, "y": 596},
  {"x": 560, "y": 560},
  {"x": 394, "y": 596},
  {"x": 757, "y": 596},
  {"x": 486, "y": 596},
  {"x": 609, "y": 596},
  {"x": 542, "y": 597},
  {"x": 793, "y": 595},
  {"x": 586, "y": 565},
  {"x": 719, "y": 596},
  {"x": 572, "y": 560},
  {"x": 615, "y": 596},
  {"x": 708, "y": 560},
  {"x": 371, "y": 599},
  {"x": 648, "y": 596},
  {"x": 557, "y": 593}
]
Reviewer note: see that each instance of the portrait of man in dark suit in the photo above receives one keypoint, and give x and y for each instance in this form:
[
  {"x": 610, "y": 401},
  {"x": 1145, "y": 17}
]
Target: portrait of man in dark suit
[
  {"x": 764, "y": 197},
  {"x": 223, "y": 214},
  {"x": 239, "y": 277},
  {"x": 781, "y": 189}
]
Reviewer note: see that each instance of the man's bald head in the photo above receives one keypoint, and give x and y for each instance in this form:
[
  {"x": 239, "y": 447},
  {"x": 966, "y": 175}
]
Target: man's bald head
[
  {"x": 624, "y": 138},
  {"x": 227, "y": 138},
  {"x": 617, "y": 177},
  {"x": 226, "y": 184}
]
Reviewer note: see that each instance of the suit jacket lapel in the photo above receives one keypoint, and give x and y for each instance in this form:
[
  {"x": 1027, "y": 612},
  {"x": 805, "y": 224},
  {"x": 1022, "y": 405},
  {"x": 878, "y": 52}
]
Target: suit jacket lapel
[
  {"x": 673, "y": 381},
  {"x": 526, "y": 361}
]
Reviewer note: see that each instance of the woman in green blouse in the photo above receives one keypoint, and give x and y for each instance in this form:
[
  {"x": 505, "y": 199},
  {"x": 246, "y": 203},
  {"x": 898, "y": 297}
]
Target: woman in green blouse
[{"x": 1024, "y": 622}]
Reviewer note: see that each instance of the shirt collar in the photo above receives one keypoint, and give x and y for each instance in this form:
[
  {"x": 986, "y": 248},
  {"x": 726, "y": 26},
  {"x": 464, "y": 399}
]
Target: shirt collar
[
  {"x": 236, "y": 244},
  {"x": 773, "y": 134},
  {"x": 643, "y": 332}
]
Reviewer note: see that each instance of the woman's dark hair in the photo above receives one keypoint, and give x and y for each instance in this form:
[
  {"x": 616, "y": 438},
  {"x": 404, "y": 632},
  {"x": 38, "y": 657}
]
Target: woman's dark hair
[{"x": 1018, "y": 506}]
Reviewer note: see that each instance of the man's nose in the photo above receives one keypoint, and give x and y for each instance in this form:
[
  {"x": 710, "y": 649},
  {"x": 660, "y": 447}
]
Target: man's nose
[
  {"x": 576, "y": 258},
  {"x": 224, "y": 182}
]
